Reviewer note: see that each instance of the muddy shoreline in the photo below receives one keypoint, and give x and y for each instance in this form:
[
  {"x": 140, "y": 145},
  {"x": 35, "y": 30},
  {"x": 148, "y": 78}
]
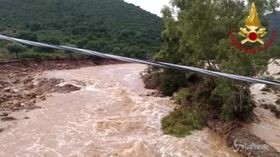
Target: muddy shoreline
[
  {"x": 20, "y": 90},
  {"x": 14, "y": 69},
  {"x": 241, "y": 140}
]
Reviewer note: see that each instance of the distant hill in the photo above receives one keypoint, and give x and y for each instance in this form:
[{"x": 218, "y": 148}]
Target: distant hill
[
  {"x": 112, "y": 26},
  {"x": 274, "y": 22}
]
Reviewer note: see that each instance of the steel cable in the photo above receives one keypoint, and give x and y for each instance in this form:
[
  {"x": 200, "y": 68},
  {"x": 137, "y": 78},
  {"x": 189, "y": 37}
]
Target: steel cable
[{"x": 153, "y": 63}]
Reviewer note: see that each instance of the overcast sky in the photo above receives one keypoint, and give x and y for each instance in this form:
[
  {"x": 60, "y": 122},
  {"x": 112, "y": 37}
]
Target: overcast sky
[{"x": 153, "y": 6}]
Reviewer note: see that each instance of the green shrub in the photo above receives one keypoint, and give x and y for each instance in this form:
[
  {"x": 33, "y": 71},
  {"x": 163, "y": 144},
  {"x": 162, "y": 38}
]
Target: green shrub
[
  {"x": 236, "y": 100},
  {"x": 182, "y": 96},
  {"x": 15, "y": 48},
  {"x": 151, "y": 78},
  {"x": 43, "y": 55},
  {"x": 181, "y": 122},
  {"x": 171, "y": 81}
]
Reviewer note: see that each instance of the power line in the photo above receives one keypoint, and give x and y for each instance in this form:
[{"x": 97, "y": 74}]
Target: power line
[{"x": 134, "y": 60}]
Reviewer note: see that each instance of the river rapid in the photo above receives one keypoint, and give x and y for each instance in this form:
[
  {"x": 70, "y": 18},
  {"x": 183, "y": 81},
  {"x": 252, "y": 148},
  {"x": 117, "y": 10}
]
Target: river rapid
[{"x": 111, "y": 116}]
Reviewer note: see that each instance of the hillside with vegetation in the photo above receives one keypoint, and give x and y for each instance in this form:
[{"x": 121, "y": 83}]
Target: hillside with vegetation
[
  {"x": 110, "y": 26},
  {"x": 274, "y": 22}
]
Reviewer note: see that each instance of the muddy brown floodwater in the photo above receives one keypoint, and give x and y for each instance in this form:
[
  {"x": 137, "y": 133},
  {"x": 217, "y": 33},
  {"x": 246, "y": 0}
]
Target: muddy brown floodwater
[{"x": 111, "y": 116}]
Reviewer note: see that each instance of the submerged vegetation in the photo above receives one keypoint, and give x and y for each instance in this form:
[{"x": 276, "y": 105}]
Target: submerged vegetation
[
  {"x": 182, "y": 122},
  {"x": 109, "y": 26},
  {"x": 199, "y": 36}
]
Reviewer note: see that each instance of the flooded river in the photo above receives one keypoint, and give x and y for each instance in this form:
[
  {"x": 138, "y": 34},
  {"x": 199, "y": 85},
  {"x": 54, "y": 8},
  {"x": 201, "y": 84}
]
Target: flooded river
[
  {"x": 111, "y": 116},
  {"x": 268, "y": 128}
]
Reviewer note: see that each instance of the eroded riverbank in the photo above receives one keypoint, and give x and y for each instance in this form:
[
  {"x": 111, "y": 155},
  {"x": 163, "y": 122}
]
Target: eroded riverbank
[{"x": 19, "y": 90}]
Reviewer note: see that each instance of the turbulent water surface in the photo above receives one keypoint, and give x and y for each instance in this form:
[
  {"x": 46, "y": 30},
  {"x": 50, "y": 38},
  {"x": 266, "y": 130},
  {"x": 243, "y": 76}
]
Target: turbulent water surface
[
  {"x": 268, "y": 127},
  {"x": 111, "y": 116}
]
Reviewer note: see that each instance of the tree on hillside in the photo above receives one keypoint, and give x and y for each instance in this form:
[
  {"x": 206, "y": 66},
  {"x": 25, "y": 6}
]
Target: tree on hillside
[
  {"x": 199, "y": 36},
  {"x": 27, "y": 35},
  {"x": 15, "y": 48}
]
